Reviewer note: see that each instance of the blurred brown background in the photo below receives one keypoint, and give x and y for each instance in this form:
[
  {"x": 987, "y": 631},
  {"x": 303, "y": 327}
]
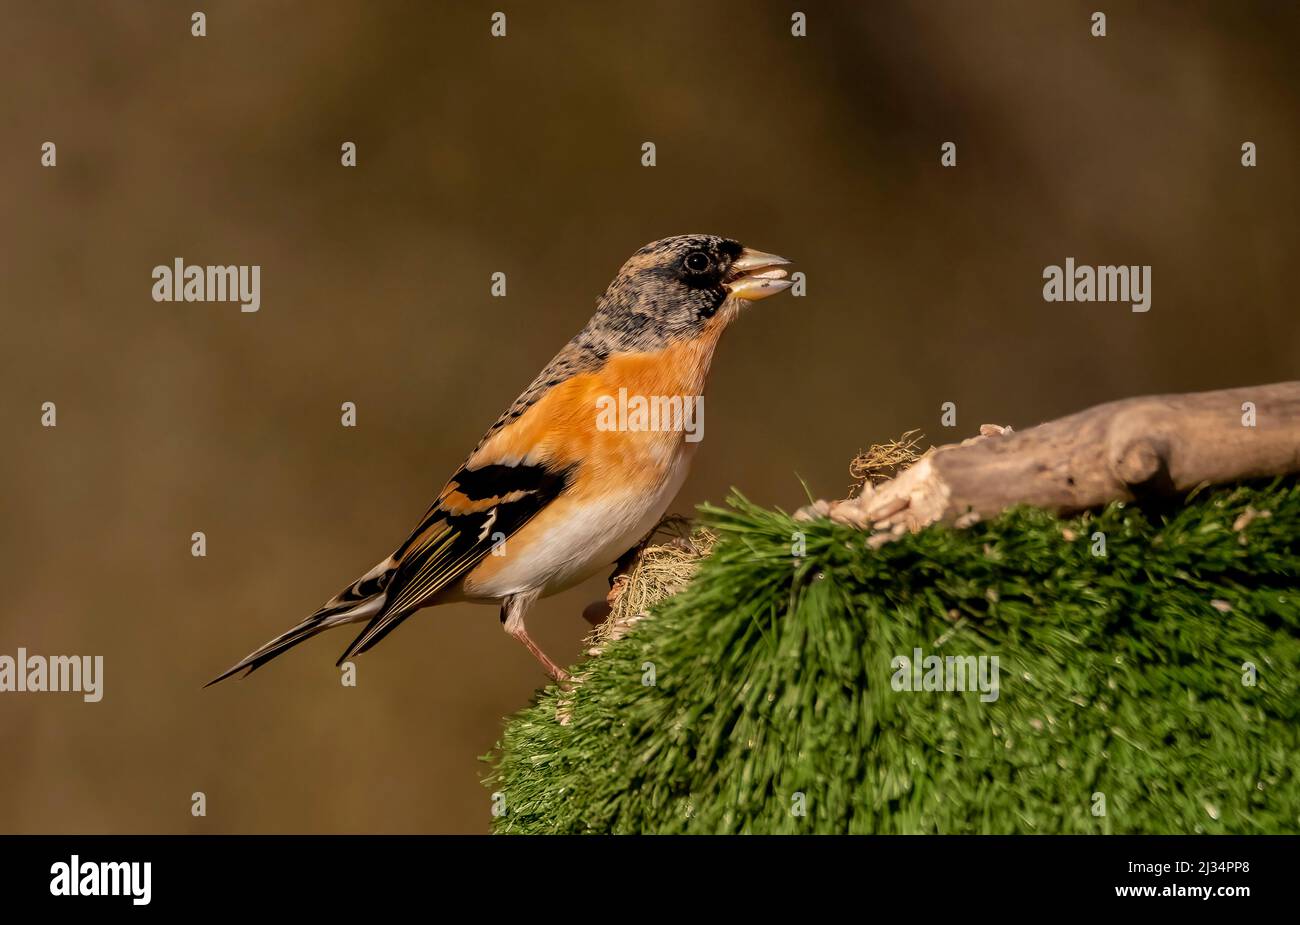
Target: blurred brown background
[{"x": 523, "y": 155}]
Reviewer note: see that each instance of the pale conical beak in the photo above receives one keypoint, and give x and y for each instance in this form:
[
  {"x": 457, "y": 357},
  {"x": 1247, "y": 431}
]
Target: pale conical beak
[{"x": 755, "y": 275}]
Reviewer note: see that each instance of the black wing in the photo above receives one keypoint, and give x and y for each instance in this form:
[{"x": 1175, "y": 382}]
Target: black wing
[{"x": 478, "y": 508}]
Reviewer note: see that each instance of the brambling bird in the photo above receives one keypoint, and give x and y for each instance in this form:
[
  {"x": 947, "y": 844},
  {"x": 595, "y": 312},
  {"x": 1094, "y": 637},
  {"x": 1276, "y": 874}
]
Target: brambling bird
[{"x": 548, "y": 498}]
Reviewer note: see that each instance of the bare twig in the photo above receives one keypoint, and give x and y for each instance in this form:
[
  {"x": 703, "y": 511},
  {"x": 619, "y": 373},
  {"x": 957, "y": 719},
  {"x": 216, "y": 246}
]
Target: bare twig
[{"x": 1120, "y": 451}]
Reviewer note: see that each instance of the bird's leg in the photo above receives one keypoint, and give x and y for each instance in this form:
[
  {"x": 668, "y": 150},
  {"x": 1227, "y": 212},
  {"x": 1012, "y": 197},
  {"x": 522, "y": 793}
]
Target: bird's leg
[
  {"x": 512, "y": 618},
  {"x": 622, "y": 573},
  {"x": 598, "y": 612}
]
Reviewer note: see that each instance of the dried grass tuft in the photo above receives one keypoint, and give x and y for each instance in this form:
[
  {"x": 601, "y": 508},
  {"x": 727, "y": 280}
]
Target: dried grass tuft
[{"x": 883, "y": 461}]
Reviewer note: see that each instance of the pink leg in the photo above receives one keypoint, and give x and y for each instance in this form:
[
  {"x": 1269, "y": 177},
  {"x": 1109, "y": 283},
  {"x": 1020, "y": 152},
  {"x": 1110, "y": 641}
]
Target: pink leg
[{"x": 512, "y": 616}]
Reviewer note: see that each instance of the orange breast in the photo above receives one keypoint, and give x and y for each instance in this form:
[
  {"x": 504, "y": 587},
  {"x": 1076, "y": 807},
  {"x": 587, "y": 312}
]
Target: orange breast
[{"x": 563, "y": 428}]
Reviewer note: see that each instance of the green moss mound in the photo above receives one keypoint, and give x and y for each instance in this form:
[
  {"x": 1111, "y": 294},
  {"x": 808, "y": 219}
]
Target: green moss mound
[{"x": 1124, "y": 698}]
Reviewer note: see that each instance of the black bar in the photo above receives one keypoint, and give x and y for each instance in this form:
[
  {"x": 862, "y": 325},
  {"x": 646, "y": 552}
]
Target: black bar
[{"x": 238, "y": 873}]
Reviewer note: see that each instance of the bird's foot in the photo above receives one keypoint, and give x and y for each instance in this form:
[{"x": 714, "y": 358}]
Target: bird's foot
[
  {"x": 558, "y": 674},
  {"x": 617, "y": 586},
  {"x": 597, "y": 612}
]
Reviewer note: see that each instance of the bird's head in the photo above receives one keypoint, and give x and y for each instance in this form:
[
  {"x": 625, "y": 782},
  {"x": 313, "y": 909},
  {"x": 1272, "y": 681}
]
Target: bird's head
[{"x": 685, "y": 284}]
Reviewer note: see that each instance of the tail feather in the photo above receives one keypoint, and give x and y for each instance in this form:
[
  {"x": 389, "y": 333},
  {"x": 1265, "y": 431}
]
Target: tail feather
[
  {"x": 363, "y": 600},
  {"x": 380, "y": 626}
]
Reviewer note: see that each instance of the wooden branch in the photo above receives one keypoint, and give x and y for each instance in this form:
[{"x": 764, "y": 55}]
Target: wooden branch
[{"x": 1120, "y": 451}]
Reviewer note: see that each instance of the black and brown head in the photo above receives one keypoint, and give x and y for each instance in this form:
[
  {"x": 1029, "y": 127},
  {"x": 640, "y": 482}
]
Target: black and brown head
[{"x": 680, "y": 286}]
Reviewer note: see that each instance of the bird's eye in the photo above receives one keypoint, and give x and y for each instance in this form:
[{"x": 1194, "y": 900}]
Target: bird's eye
[{"x": 698, "y": 262}]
